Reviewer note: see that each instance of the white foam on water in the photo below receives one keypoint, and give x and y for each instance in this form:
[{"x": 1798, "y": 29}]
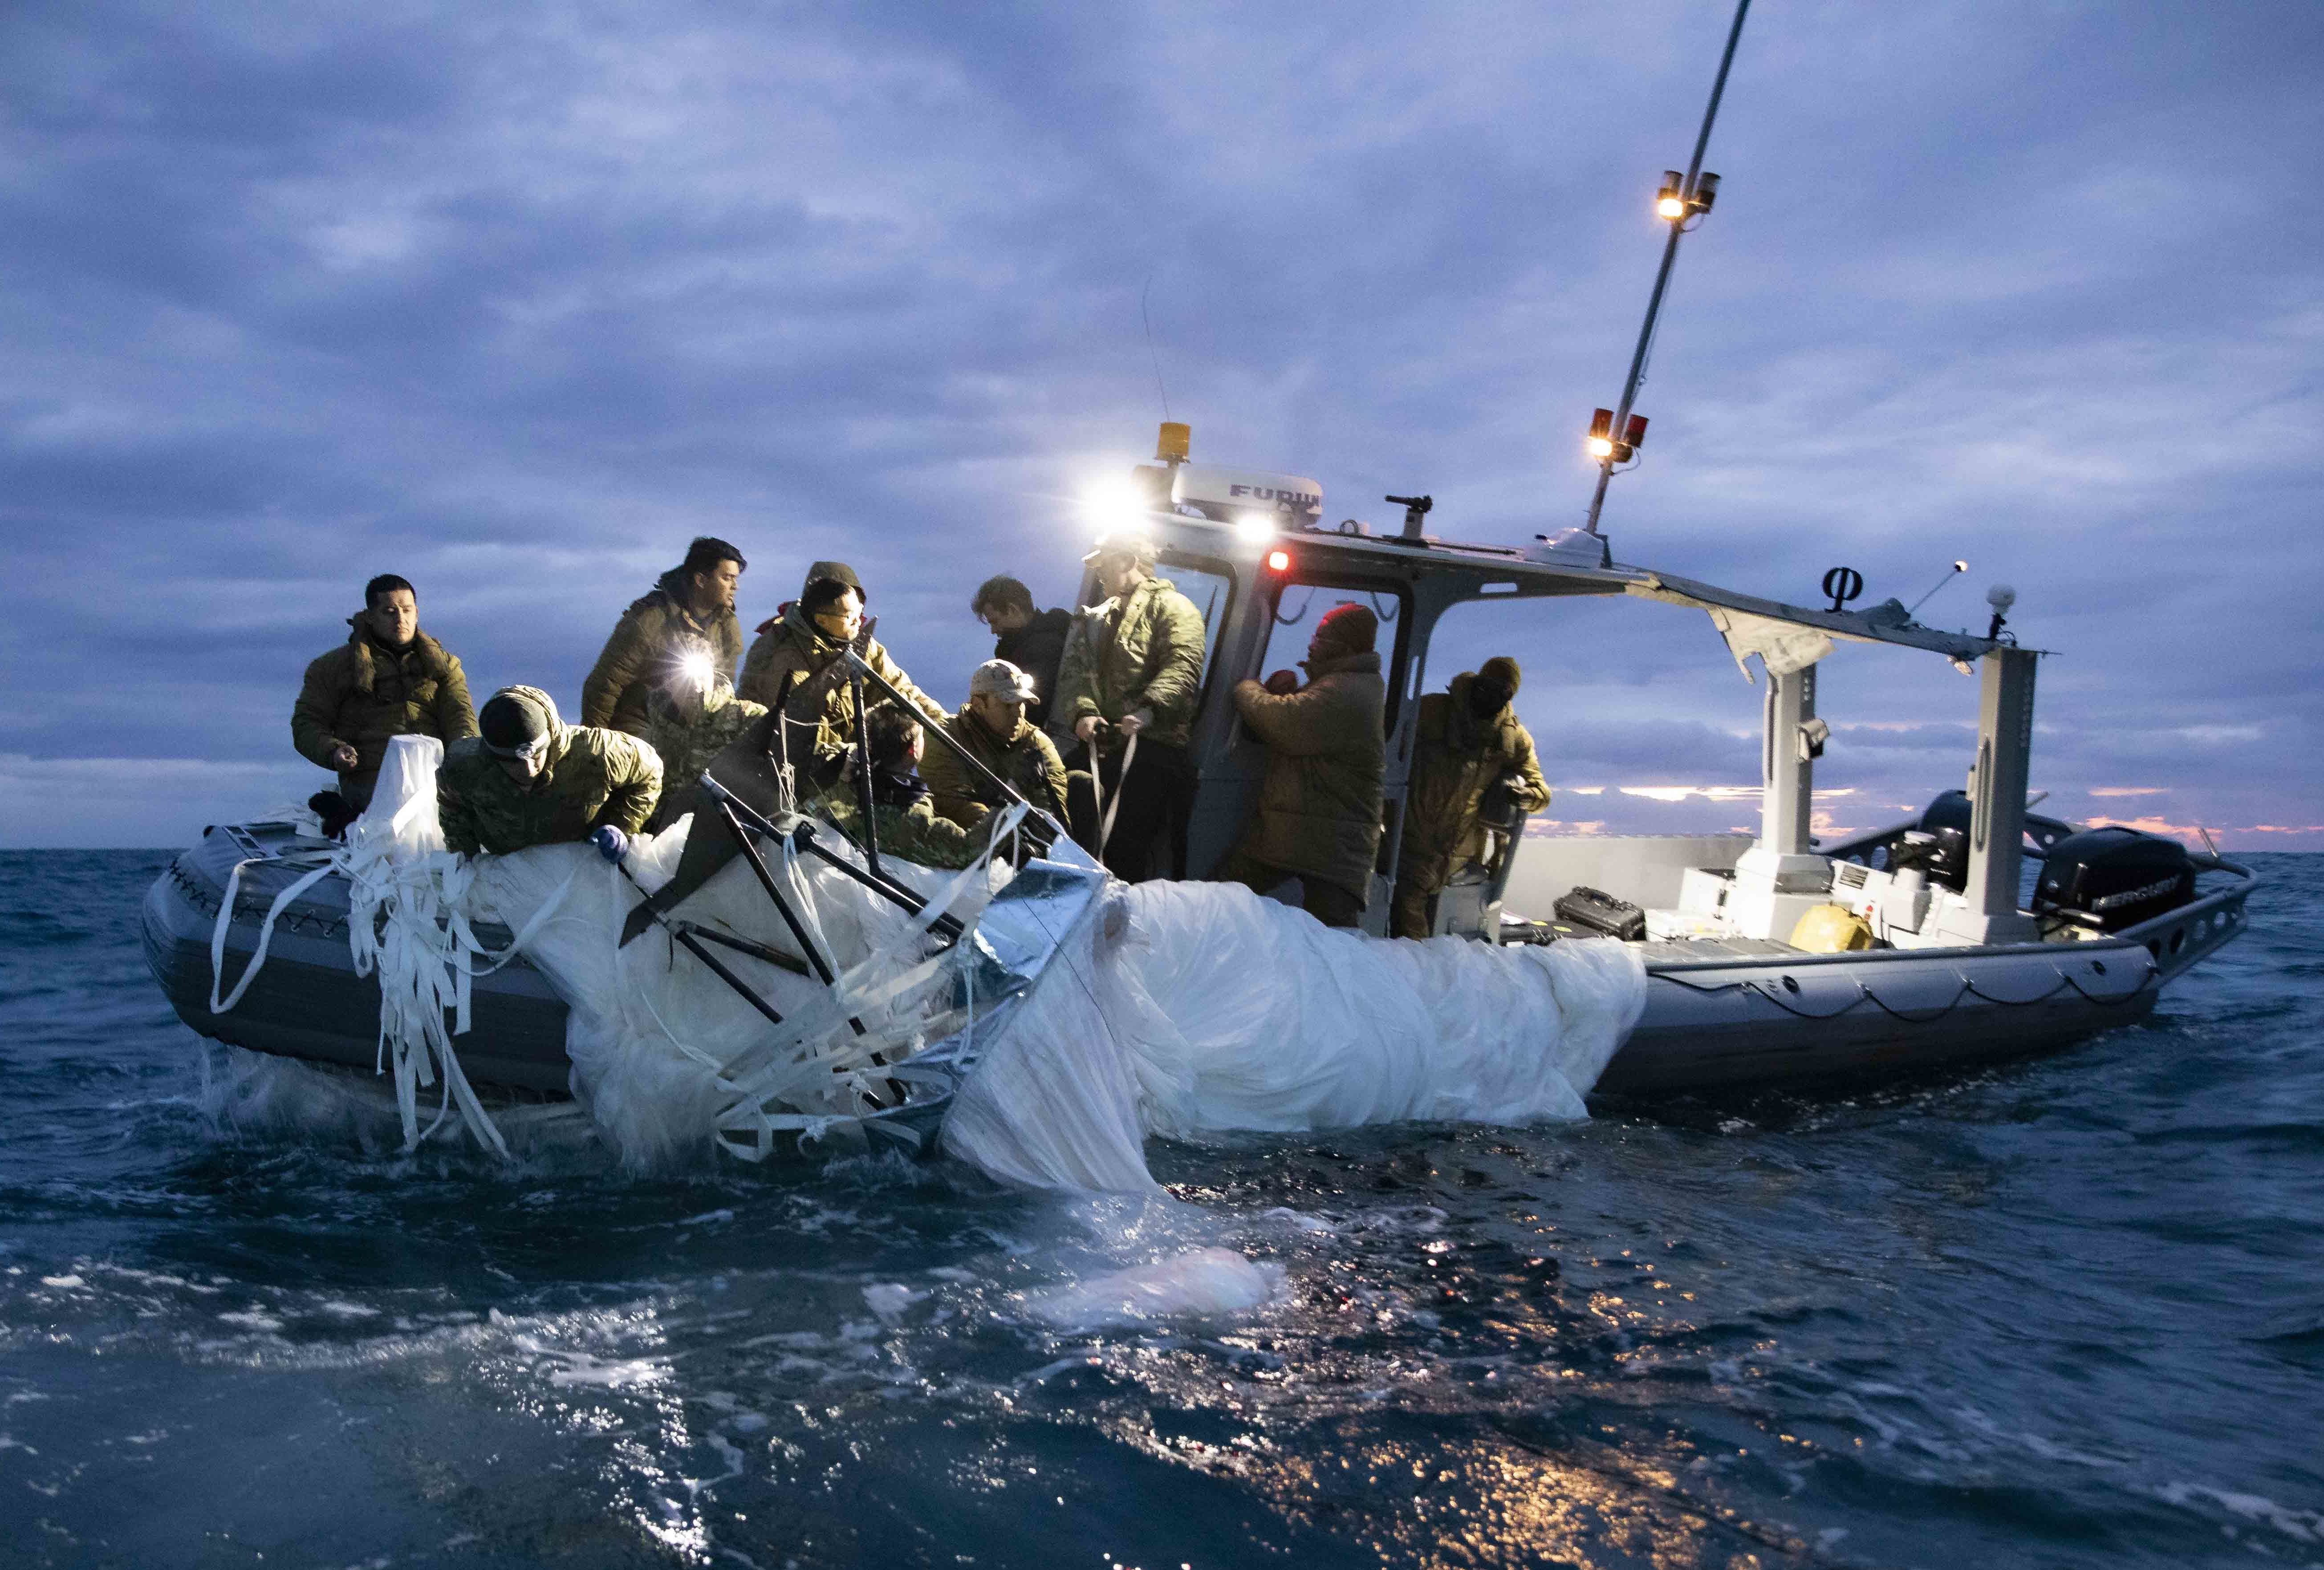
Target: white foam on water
[{"x": 1203, "y": 1283}]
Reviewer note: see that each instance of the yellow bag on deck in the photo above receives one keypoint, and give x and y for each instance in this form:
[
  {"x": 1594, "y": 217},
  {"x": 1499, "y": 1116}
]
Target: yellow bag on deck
[{"x": 1831, "y": 929}]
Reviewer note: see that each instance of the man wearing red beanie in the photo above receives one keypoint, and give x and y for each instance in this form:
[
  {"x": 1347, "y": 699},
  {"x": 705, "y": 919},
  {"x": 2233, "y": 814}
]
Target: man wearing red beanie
[{"x": 1319, "y": 806}]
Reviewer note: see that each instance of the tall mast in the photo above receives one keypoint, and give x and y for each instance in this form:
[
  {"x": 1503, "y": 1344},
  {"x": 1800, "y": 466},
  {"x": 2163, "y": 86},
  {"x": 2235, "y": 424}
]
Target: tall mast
[{"x": 1681, "y": 202}]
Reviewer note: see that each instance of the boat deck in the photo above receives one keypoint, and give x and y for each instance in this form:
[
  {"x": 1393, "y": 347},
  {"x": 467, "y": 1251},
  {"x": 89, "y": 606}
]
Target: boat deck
[{"x": 1686, "y": 951}]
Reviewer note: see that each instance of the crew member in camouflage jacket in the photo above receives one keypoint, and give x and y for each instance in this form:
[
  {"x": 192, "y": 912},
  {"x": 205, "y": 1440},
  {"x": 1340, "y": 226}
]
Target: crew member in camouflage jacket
[
  {"x": 1468, "y": 738},
  {"x": 531, "y": 779},
  {"x": 901, "y": 807},
  {"x": 690, "y": 610},
  {"x": 992, "y": 727},
  {"x": 688, "y": 725},
  {"x": 797, "y": 648},
  {"x": 388, "y": 679},
  {"x": 1132, "y": 666}
]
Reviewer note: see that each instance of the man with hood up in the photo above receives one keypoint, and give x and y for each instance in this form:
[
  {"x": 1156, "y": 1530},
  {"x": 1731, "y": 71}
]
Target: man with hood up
[
  {"x": 388, "y": 679},
  {"x": 1469, "y": 741},
  {"x": 689, "y": 609},
  {"x": 795, "y": 665},
  {"x": 528, "y": 778},
  {"x": 1133, "y": 668},
  {"x": 1319, "y": 806},
  {"x": 995, "y": 727}
]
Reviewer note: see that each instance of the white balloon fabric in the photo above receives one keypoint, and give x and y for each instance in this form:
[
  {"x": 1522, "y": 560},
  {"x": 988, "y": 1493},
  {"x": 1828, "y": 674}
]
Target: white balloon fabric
[
  {"x": 1210, "y": 1009},
  {"x": 1180, "y": 1009}
]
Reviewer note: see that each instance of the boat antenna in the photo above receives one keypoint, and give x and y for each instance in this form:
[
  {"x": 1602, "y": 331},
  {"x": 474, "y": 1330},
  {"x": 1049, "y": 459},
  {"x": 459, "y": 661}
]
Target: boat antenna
[
  {"x": 1615, "y": 434},
  {"x": 1955, "y": 571},
  {"x": 1150, "y": 349}
]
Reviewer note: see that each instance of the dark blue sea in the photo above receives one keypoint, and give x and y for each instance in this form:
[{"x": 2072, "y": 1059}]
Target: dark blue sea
[{"x": 2067, "y": 1312}]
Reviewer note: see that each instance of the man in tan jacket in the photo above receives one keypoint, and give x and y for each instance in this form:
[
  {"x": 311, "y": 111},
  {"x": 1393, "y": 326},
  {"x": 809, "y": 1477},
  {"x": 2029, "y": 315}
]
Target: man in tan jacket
[
  {"x": 689, "y": 613},
  {"x": 795, "y": 663},
  {"x": 388, "y": 679},
  {"x": 1319, "y": 806}
]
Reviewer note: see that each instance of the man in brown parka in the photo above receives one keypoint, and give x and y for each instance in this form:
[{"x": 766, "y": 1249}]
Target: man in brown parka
[
  {"x": 690, "y": 609},
  {"x": 388, "y": 679},
  {"x": 797, "y": 655},
  {"x": 1469, "y": 738},
  {"x": 1319, "y": 806}
]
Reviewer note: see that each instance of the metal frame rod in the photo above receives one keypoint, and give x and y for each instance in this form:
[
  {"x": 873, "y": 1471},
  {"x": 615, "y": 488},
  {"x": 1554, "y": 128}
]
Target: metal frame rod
[
  {"x": 804, "y": 835},
  {"x": 775, "y": 957},
  {"x": 683, "y": 932},
  {"x": 863, "y": 801},
  {"x": 1670, "y": 256},
  {"x": 958, "y": 748},
  {"x": 823, "y": 967}
]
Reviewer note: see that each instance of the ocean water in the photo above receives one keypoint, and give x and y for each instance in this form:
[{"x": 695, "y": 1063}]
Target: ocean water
[{"x": 2060, "y": 1313}]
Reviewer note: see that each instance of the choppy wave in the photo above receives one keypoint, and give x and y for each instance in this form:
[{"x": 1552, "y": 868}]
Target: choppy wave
[{"x": 2063, "y": 1313}]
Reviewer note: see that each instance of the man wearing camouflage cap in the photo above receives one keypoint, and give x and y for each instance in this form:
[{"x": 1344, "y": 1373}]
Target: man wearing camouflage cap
[
  {"x": 1132, "y": 671},
  {"x": 531, "y": 779},
  {"x": 992, "y": 727}
]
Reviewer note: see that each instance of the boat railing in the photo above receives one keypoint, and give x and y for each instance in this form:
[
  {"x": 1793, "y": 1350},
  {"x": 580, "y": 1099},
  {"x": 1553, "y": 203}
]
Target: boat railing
[
  {"x": 2178, "y": 939},
  {"x": 1865, "y": 846}
]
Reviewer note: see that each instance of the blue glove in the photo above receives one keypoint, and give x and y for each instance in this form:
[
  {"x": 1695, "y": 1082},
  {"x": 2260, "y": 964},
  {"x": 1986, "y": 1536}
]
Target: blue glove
[{"x": 610, "y": 843}]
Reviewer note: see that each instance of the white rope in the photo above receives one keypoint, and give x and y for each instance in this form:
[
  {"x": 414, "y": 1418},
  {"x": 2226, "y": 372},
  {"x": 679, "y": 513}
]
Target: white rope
[
  {"x": 1106, "y": 810},
  {"x": 266, "y": 930}
]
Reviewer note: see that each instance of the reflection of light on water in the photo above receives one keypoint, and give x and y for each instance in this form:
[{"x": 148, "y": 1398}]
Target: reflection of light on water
[{"x": 663, "y": 1502}]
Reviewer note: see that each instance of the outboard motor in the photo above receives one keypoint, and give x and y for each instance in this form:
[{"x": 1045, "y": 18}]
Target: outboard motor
[
  {"x": 1940, "y": 847},
  {"x": 2113, "y": 878}
]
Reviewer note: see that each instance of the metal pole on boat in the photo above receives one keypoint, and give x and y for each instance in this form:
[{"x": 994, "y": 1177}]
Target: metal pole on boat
[
  {"x": 865, "y": 804},
  {"x": 1691, "y": 198}
]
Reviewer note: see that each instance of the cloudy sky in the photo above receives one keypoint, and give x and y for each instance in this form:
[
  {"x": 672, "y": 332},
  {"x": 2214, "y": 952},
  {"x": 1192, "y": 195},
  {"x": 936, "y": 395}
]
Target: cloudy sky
[{"x": 514, "y": 299}]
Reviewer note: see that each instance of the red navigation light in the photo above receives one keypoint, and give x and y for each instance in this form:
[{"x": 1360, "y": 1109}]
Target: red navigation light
[
  {"x": 1601, "y": 433},
  {"x": 1278, "y": 561}
]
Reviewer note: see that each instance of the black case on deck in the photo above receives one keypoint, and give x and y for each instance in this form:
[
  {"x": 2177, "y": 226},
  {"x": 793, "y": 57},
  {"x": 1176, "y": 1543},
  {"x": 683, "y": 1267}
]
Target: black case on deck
[{"x": 1599, "y": 911}]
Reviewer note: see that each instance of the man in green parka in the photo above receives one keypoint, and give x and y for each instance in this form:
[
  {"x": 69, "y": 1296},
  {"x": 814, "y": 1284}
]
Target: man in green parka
[
  {"x": 1133, "y": 668},
  {"x": 1319, "y": 806},
  {"x": 1469, "y": 739},
  {"x": 992, "y": 727},
  {"x": 689, "y": 611},
  {"x": 528, "y": 778},
  {"x": 794, "y": 665},
  {"x": 388, "y": 679}
]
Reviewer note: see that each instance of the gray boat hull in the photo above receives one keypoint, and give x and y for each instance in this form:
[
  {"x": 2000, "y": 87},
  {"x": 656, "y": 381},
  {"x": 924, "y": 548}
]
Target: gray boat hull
[
  {"x": 1717, "y": 1020},
  {"x": 1719, "y": 1015},
  {"x": 307, "y": 1003}
]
